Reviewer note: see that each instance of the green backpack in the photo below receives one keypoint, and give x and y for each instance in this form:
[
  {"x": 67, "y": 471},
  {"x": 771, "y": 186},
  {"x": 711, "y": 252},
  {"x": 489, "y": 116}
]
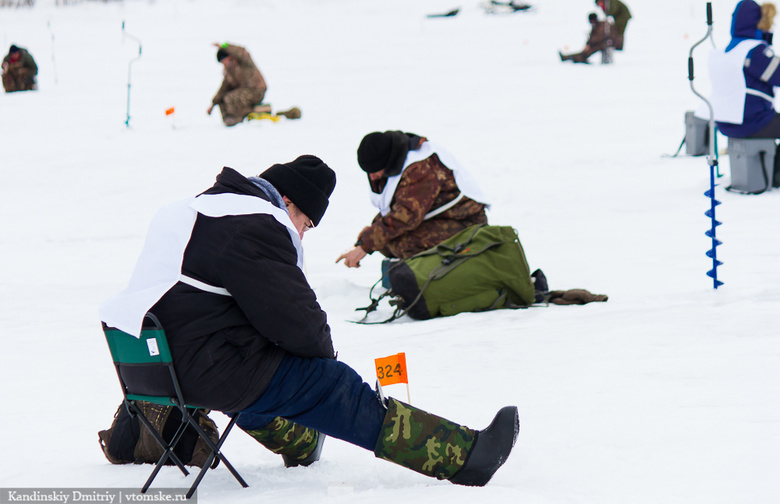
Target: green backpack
[{"x": 481, "y": 268}]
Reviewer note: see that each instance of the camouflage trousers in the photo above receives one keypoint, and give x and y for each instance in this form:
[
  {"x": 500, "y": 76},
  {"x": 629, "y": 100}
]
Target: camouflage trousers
[
  {"x": 618, "y": 42},
  {"x": 429, "y": 234},
  {"x": 582, "y": 56},
  {"x": 287, "y": 438},
  {"x": 19, "y": 79},
  {"x": 423, "y": 442},
  {"x": 237, "y": 104}
]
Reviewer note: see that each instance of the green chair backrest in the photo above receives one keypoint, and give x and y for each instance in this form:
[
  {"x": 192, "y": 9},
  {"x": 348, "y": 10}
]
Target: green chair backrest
[
  {"x": 144, "y": 364},
  {"x": 150, "y": 348}
]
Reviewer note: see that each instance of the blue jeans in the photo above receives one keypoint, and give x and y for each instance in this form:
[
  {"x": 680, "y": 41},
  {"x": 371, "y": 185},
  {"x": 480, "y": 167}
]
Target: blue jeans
[{"x": 321, "y": 394}]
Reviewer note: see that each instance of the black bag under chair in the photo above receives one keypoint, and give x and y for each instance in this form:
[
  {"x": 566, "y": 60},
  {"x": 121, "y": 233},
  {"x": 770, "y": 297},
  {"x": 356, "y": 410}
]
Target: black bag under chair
[
  {"x": 126, "y": 441},
  {"x": 147, "y": 377}
]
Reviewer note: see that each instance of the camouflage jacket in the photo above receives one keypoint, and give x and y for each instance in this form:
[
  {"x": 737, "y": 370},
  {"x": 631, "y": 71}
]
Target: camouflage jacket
[
  {"x": 599, "y": 35},
  {"x": 620, "y": 14},
  {"x": 424, "y": 186},
  {"x": 26, "y": 61},
  {"x": 240, "y": 73}
]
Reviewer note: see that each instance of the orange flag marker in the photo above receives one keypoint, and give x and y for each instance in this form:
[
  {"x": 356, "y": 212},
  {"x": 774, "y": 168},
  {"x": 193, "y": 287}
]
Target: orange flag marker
[
  {"x": 169, "y": 113},
  {"x": 391, "y": 370}
]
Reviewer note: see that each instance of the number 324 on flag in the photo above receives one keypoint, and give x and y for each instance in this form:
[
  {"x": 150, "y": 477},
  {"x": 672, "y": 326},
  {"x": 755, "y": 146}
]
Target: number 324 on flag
[{"x": 391, "y": 369}]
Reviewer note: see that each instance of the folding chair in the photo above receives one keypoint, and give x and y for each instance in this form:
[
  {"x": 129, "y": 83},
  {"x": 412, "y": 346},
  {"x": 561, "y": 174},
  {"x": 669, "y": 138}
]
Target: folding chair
[{"x": 146, "y": 373}]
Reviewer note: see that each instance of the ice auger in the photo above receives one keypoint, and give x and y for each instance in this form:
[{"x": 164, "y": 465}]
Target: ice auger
[
  {"x": 712, "y": 161},
  {"x": 129, "y": 66}
]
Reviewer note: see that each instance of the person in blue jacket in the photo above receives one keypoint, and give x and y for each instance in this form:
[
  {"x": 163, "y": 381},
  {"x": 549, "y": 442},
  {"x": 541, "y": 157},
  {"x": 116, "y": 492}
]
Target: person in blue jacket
[{"x": 744, "y": 74}]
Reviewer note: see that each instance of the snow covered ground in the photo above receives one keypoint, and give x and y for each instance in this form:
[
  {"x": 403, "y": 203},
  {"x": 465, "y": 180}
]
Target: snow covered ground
[{"x": 668, "y": 393}]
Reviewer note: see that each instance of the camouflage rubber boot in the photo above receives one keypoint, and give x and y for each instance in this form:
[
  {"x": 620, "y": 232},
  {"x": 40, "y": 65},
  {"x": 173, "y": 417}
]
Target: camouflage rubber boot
[
  {"x": 298, "y": 445},
  {"x": 423, "y": 442},
  {"x": 490, "y": 450}
]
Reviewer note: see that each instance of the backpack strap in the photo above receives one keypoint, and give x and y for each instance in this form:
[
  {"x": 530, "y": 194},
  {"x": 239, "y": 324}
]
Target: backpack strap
[
  {"x": 454, "y": 249},
  {"x": 373, "y": 306}
]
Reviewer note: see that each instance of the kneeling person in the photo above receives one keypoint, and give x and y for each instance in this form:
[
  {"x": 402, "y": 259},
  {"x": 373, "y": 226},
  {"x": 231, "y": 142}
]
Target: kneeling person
[
  {"x": 243, "y": 86},
  {"x": 423, "y": 194},
  {"x": 19, "y": 70}
]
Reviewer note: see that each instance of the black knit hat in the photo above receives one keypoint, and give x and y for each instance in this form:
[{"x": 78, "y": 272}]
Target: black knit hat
[
  {"x": 13, "y": 49},
  {"x": 307, "y": 181},
  {"x": 221, "y": 54},
  {"x": 383, "y": 151}
]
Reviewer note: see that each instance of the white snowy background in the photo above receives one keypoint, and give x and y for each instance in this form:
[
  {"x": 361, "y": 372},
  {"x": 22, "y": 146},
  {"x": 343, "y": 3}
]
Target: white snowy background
[{"x": 668, "y": 393}]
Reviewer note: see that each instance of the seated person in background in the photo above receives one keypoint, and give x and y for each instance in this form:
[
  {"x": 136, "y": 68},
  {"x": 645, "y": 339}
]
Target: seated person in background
[
  {"x": 19, "y": 70},
  {"x": 423, "y": 195},
  {"x": 242, "y": 88},
  {"x": 598, "y": 40},
  {"x": 743, "y": 75}
]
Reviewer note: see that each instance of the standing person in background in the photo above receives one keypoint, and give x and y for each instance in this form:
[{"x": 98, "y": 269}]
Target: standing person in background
[
  {"x": 243, "y": 86},
  {"x": 19, "y": 70},
  {"x": 621, "y": 15}
]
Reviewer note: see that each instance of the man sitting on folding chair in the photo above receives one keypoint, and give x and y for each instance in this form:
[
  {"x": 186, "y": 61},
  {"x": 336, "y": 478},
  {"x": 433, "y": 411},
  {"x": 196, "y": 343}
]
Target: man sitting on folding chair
[{"x": 223, "y": 274}]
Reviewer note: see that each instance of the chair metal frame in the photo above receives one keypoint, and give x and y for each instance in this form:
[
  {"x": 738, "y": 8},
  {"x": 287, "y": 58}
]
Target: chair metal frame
[{"x": 151, "y": 350}]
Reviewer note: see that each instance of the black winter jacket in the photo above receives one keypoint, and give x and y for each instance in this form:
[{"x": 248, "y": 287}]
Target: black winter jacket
[{"x": 226, "y": 349}]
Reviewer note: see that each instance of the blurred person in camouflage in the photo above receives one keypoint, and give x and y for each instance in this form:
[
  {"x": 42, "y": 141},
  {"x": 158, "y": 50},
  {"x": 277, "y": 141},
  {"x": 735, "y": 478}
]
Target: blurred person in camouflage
[
  {"x": 243, "y": 86},
  {"x": 598, "y": 40},
  {"x": 223, "y": 272},
  {"x": 19, "y": 70},
  {"x": 423, "y": 195},
  {"x": 620, "y": 13}
]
